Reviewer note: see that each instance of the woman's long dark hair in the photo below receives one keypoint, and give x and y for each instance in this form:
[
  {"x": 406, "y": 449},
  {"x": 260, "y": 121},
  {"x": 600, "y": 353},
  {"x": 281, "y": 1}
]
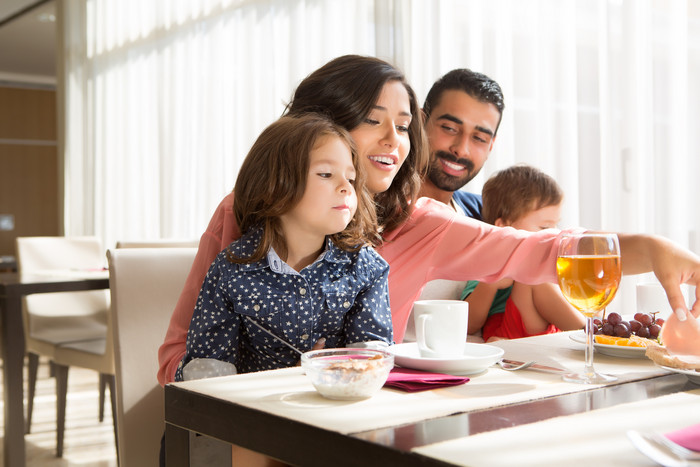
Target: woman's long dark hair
[{"x": 346, "y": 89}]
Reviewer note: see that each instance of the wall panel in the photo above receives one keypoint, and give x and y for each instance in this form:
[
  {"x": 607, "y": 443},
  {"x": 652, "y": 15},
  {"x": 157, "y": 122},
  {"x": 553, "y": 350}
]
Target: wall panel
[{"x": 29, "y": 169}]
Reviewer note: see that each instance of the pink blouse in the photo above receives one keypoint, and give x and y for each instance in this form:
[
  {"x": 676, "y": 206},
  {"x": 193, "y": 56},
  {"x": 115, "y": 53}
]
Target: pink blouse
[{"x": 435, "y": 243}]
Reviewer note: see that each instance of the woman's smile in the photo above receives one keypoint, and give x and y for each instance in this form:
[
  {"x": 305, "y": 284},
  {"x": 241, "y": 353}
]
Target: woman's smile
[{"x": 384, "y": 161}]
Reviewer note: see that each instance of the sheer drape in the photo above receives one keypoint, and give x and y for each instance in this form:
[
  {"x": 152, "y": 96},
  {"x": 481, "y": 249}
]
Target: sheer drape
[
  {"x": 600, "y": 95},
  {"x": 164, "y": 98}
]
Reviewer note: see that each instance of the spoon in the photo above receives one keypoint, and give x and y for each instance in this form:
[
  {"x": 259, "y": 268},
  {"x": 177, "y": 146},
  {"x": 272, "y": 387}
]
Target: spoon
[
  {"x": 662, "y": 449},
  {"x": 269, "y": 333},
  {"x": 513, "y": 367}
]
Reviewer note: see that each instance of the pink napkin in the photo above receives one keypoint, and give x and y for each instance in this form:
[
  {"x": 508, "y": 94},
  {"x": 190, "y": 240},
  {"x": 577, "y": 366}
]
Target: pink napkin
[
  {"x": 415, "y": 380},
  {"x": 688, "y": 437}
]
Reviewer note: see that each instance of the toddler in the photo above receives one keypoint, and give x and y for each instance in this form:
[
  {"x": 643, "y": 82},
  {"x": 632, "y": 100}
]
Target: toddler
[{"x": 524, "y": 198}]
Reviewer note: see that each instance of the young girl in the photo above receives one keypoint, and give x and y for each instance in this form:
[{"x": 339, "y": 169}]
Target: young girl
[
  {"x": 302, "y": 269},
  {"x": 524, "y": 198}
]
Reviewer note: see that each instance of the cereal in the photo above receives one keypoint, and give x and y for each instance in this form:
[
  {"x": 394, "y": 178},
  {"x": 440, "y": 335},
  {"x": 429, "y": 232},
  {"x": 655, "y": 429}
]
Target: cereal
[{"x": 346, "y": 375}]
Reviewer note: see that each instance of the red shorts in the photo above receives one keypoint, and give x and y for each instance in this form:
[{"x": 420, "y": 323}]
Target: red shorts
[{"x": 509, "y": 324}]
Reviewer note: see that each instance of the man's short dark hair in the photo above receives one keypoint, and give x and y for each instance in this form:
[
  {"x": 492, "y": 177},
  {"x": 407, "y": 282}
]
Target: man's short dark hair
[{"x": 477, "y": 85}]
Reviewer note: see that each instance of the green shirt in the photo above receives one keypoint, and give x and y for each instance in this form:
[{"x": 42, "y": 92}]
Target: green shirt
[{"x": 499, "y": 301}]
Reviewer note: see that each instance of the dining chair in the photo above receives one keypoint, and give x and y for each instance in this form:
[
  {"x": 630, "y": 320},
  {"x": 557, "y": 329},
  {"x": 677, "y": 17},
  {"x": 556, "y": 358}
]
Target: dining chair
[
  {"x": 145, "y": 284},
  {"x": 63, "y": 326},
  {"x": 94, "y": 354}
]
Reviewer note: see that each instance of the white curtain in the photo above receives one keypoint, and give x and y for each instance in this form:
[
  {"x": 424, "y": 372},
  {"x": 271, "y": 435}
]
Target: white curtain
[{"x": 164, "y": 98}]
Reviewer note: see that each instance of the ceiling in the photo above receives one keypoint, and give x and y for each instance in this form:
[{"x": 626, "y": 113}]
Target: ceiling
[{"x": 27, "y": 44}]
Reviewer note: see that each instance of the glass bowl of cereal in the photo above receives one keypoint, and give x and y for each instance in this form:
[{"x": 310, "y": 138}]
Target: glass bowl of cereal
[{"x": 347, "y": 374}]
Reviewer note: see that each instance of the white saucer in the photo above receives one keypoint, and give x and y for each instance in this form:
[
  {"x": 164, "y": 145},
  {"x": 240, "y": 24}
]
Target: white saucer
[
  {"x": 477, "y": 357},
  {"x": 611, "y": 350},
  {"x": 693, "y": 375}
]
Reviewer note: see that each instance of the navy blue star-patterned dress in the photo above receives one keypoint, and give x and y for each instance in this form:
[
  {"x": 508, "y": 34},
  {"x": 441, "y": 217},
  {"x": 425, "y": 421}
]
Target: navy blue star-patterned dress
[{"x": 342, "y": 297}]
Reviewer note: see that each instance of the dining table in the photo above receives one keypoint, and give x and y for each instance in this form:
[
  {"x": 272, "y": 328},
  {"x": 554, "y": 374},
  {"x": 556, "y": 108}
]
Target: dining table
[
  {"x": 13, "y": 287},
  {"x": 8, "y": 263},
  {"x": 499, "y": 417}
]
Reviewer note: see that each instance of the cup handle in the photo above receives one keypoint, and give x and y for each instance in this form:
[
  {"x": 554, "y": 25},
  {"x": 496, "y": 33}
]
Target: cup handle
[{"x": 420, "y": 333}]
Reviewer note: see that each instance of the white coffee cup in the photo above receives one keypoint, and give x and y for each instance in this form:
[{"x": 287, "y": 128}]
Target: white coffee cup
[
  {"x": 651, "y": 298},
  {"x": 441, "y": 327}
]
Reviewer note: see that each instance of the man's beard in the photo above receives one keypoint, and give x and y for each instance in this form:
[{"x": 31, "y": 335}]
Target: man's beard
[{"x": 445, "y": 181}]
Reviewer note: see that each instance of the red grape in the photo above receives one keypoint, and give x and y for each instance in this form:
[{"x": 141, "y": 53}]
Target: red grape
[
  {"x": 615, "y": 325},
  {"x": 635, "y": 325},
  {"x": 621, "y": 330},
  {"x": 614, "y": 318},
  {"x": 644, "y": 318},
  {"x": 654, "y": 331}
]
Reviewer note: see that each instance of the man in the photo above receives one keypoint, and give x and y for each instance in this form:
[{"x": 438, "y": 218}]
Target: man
[{"x": 462, "y": 113}]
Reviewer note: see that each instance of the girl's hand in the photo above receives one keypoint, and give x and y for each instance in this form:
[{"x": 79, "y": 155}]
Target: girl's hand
[{"x": 321, "y": 343}]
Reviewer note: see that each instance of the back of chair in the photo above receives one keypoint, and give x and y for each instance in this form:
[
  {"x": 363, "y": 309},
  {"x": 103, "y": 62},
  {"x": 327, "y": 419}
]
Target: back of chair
[
  {"x": 157, "y": 244},
  {"x": 58, "y": 317},
  {"x": 145, "y": 284},
  {"x": 37, "y": 254}
]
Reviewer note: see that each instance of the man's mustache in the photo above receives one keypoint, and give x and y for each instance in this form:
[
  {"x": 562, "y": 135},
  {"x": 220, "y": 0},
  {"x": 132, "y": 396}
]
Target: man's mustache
[{"x": 451, "y": 158}]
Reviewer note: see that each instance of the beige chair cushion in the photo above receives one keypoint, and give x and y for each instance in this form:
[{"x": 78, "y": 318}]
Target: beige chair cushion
[{"x": 68, "y": 316}]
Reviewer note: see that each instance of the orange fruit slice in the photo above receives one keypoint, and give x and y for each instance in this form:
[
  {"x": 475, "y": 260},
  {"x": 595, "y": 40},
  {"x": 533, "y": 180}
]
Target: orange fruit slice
[
  {"x": 607, "y": 340},
  {"x": 632, "y": 341}
]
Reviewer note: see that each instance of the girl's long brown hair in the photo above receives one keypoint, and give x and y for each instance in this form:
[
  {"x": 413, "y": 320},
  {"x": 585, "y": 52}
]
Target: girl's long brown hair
[
  {"x": 272, "y": 180},
  {"x": 346, "y": 89}
]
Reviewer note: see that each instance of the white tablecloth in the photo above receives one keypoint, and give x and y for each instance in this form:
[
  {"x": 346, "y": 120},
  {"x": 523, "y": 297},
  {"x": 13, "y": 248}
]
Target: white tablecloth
[
  {"x": 590, "y": 438},
  {"x": 288, "y": 392}
]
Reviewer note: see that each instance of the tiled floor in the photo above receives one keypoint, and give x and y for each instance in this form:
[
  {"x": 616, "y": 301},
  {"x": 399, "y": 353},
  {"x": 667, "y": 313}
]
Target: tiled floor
[{"x": 88, "y": 442}]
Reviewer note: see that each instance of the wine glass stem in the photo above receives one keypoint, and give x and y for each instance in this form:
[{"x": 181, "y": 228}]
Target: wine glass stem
[{"x": 590, "y": 336}]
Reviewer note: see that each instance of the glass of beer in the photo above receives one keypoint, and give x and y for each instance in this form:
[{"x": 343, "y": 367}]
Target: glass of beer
[{"x": 589, "y": 271}]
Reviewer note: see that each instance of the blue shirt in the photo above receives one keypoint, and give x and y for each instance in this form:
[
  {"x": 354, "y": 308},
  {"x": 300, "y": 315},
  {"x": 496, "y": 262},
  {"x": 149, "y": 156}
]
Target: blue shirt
[
  {"x": 342, "y": 297},
  {"x": 470, "y": 203}
]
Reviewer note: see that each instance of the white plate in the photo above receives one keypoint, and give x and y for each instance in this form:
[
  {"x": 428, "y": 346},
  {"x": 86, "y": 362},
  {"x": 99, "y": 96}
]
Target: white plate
[
  {"x": 693, "y": 375},
  {"x": 477, "y": 357},
  {"x": 611, "y": 350}
]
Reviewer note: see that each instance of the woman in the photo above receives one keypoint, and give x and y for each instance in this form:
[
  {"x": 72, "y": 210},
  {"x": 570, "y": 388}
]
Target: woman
[{"x": 423, "y": 239}]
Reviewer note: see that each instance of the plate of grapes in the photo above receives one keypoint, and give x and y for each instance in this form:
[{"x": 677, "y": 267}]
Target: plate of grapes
[{"x": 619, "y": 337}]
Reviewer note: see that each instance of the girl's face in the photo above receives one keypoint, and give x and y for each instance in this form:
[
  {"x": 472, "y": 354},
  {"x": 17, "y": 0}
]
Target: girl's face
[
  {"x": 329, "y": 201},
  {"x": 382, "y": 139}
]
